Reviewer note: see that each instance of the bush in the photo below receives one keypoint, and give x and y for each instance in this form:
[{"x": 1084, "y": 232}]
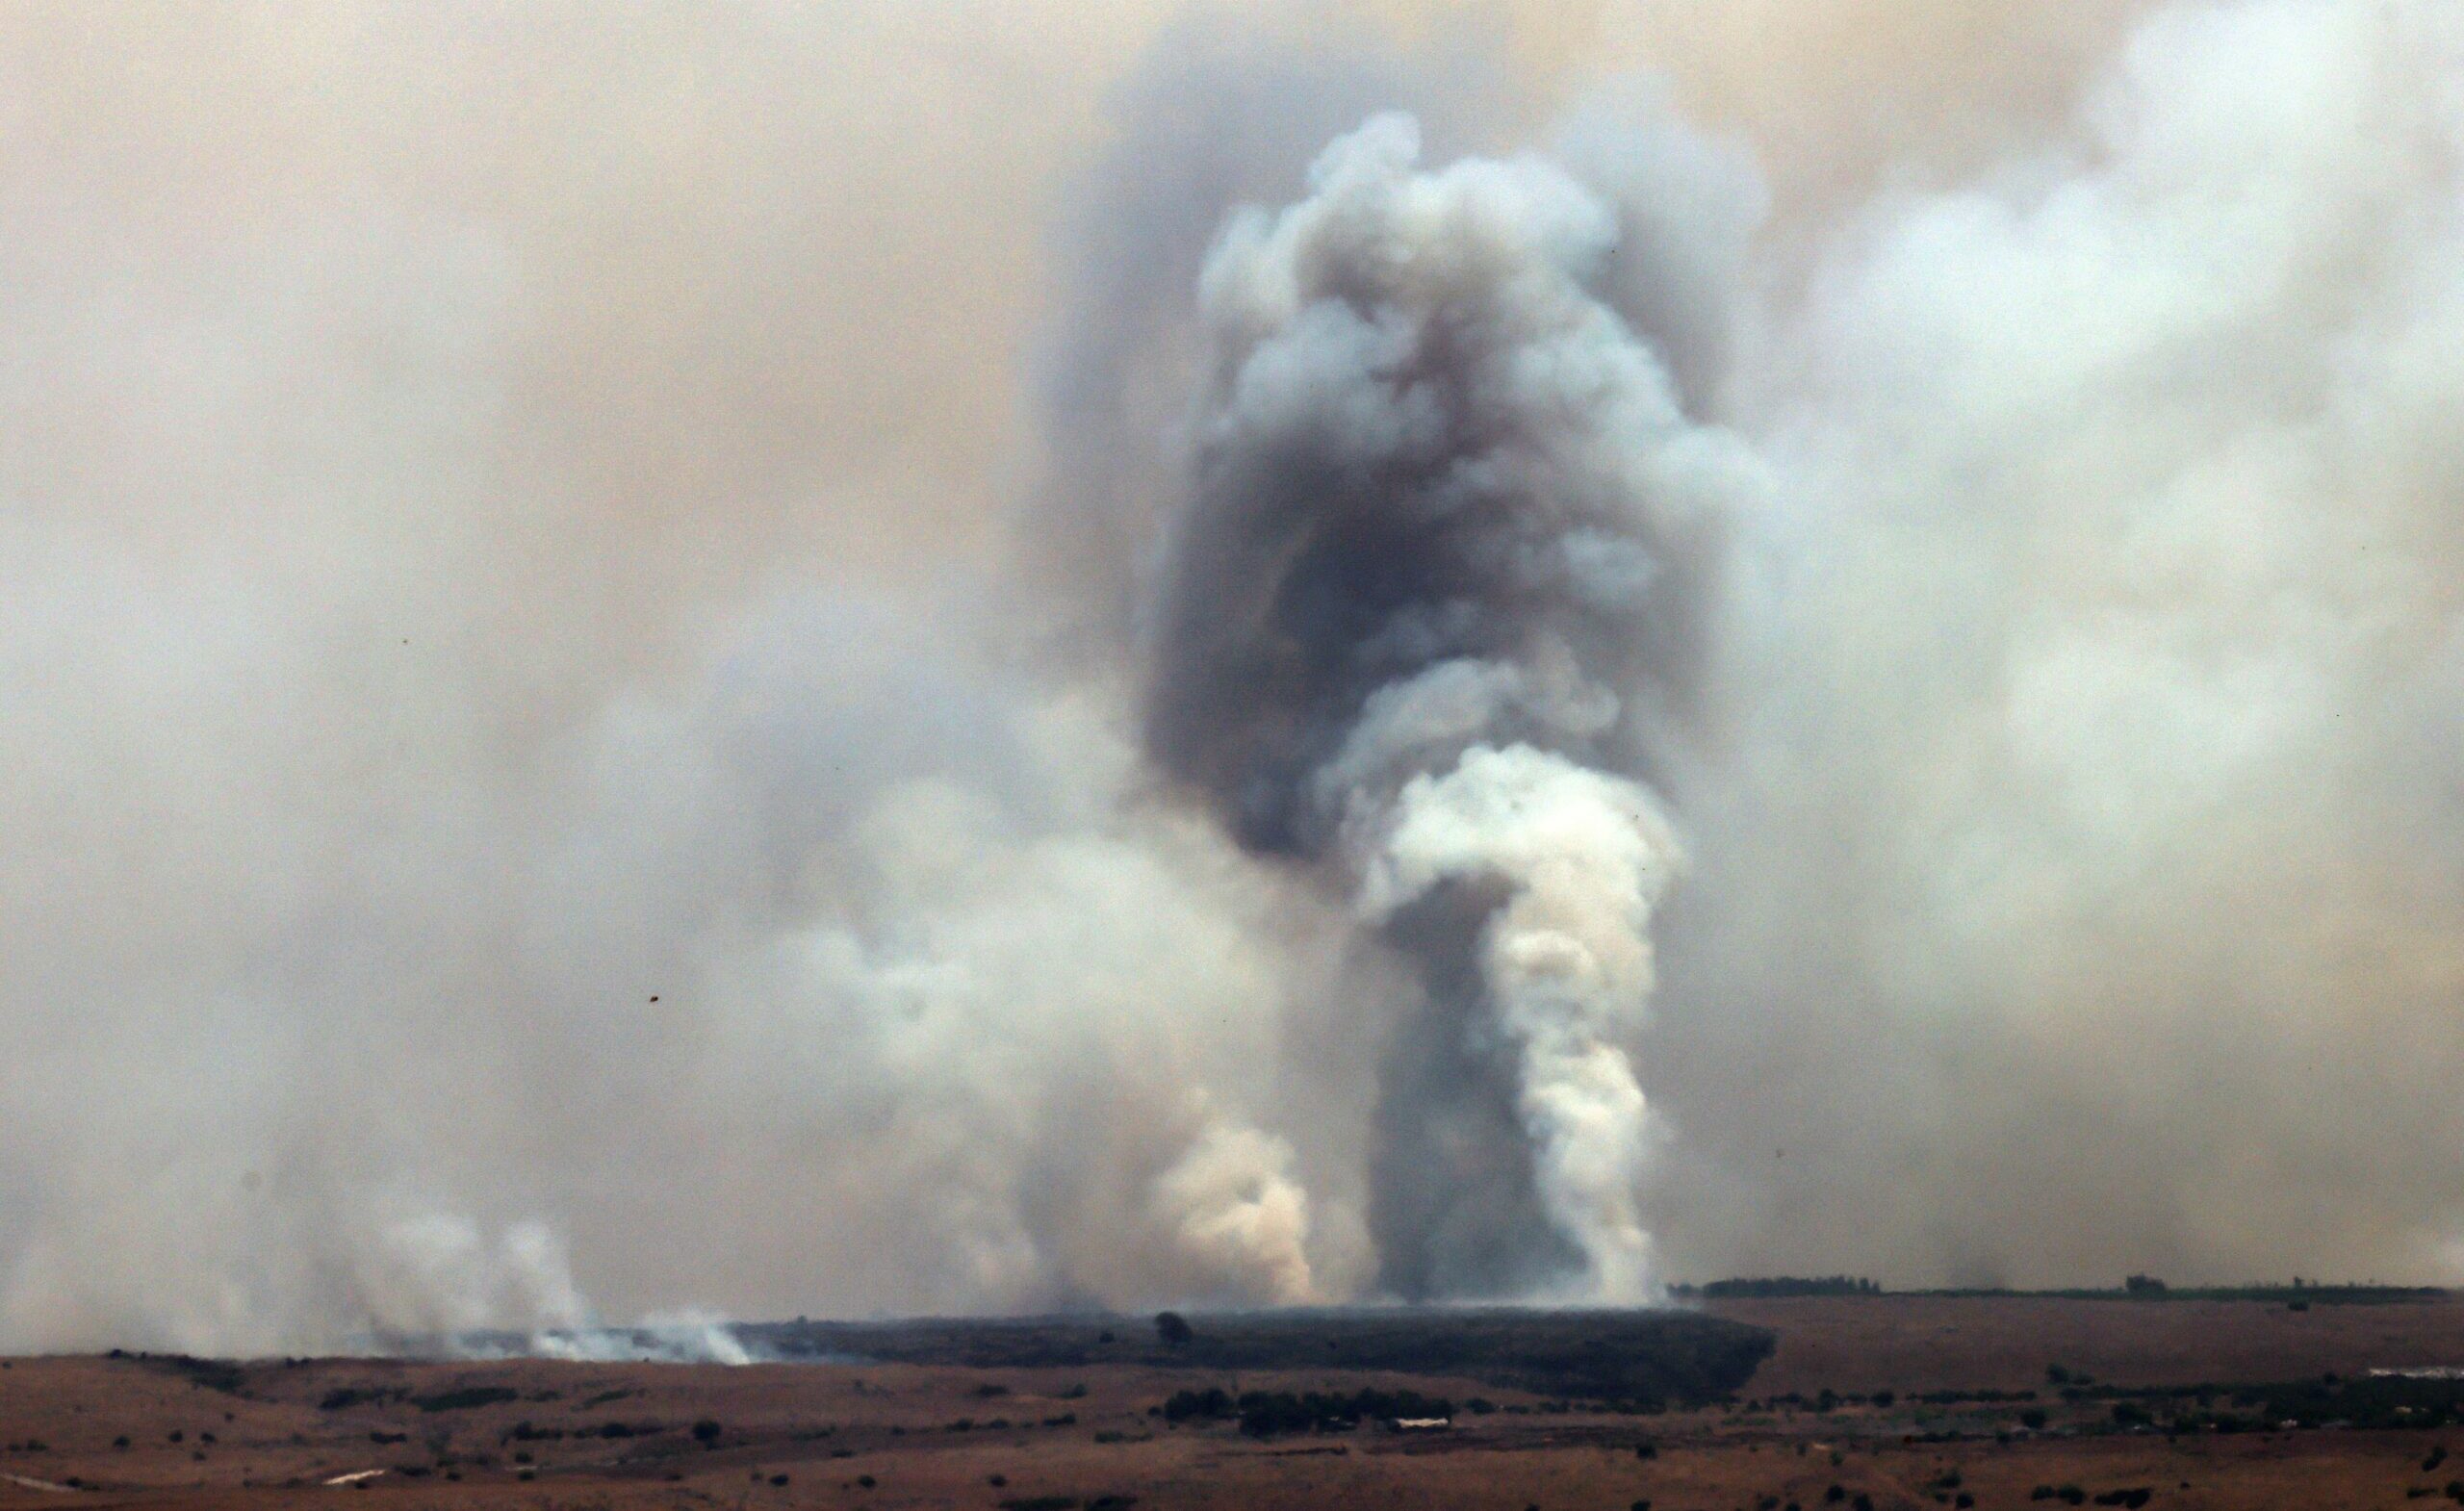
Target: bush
[
  {"x": 707, "y": 1432},
  {"x": 1174, "y": 1329},
  {"x": 464, "y": 1400}
]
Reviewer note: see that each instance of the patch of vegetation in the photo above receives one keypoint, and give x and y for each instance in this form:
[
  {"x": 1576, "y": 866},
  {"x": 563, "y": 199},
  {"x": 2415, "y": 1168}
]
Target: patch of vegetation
[
  {"x": 1267, "y": 1414},
  {"x": 1645, "y": 1358},
  {"x": 344, "y": 1396},
  {"x": 214, "y": 1374},
  {"x": 2376, "y": 1403},
  {"x": 466, "y": 1399},
  {"x": 2300, "y": 1294},
  {"x": 1765, "y": 1286}
]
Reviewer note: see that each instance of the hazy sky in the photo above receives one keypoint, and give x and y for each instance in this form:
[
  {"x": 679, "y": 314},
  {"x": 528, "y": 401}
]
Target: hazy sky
[{"x": 609, "y": 703}]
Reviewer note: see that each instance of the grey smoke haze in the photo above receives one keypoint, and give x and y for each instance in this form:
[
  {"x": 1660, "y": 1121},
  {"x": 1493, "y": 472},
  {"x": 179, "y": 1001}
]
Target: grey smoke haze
[
  {"x": 1439, "y": 493},
  {"x": 513, "y": 514}
]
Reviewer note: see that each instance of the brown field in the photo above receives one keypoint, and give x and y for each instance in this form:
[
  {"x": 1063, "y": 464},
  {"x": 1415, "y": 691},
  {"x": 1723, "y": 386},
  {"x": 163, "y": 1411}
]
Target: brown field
[{"x": 891, "y": 1436}]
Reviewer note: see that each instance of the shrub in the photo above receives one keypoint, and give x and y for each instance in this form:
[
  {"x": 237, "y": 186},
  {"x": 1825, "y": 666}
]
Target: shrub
[
  {"x": 1174, "y": 1329},
  {"x": 465, "y": 1399}
]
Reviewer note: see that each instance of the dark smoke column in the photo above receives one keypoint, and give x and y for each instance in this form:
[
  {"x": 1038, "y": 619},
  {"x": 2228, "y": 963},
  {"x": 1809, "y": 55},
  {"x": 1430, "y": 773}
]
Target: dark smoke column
[{"x": 1421, "y": 572}]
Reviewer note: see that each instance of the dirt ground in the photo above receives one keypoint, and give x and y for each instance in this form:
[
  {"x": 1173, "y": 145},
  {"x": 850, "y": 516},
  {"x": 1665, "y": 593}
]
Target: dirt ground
[
  {"x": 1940, "y": 1342},
  {"x": 540, "y": 1436}
]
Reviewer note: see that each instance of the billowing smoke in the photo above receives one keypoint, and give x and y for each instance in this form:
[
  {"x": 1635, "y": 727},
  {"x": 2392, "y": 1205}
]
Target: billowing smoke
[
  {"x": 1436, "y": 475},
  {"x": 753, "y": 661}
]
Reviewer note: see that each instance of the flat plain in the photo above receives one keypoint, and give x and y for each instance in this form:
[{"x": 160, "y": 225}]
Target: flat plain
[{"x": 1887, "y": 1401}]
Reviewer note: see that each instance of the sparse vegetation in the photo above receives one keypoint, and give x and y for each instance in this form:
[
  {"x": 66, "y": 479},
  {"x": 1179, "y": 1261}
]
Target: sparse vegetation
[
  {"x": 467, "y": 1399},
  {"x": 1645, "y": 1359},
  {"x": 1264, "y": 1431},
  {"x": 1265, "y": 1414},
  {"x": 1775, "y": 1286}
]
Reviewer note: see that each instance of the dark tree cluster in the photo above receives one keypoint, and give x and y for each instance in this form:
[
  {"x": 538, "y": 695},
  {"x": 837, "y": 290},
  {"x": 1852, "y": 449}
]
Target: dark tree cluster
[
  {"x": 1267, "y": 1414},
  {"x": 1765, "y": 1286}
]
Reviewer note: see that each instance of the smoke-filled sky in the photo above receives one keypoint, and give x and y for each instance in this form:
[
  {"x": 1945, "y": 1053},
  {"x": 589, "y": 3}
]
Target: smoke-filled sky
[{"x": 750, "y": 660}]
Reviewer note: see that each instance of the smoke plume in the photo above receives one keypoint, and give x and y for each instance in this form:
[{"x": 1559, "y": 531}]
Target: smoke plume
[
  {"x": 1434, "y": 478},
  {"x": 751, "y": 660}
]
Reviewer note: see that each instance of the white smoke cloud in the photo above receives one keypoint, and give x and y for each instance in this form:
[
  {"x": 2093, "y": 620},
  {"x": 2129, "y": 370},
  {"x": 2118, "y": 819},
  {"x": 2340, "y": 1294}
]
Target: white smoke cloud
[
  {"x": 1566, "y": 959},
  {"x": 2079, "y": 877}
]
